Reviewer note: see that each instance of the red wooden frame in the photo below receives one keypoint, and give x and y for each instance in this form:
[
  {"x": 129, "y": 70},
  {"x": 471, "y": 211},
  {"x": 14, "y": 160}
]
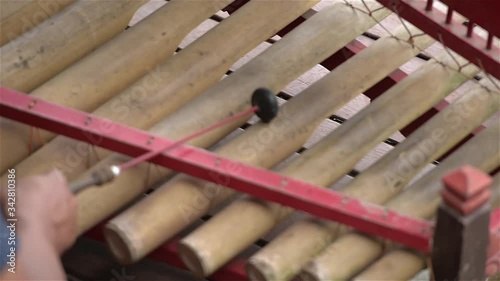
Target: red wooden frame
[{"x": 453, "y": 34}]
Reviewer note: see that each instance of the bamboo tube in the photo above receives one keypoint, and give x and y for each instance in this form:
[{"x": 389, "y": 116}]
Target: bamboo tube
[
  {"x": 353, "y": 257},
  {"x": 228, "y": 225},
  {"x": 495, "y": 192},
  {"x": 385, "y": 269},
  {"x": 22, "y": 16},
  {"x": 482, "y": 151},
  {"x": 172, "y": 84},
  {"x": 61, "y": 40},
  {"x": 109, "y": 69},
  {"x": 261, "y": 145}
]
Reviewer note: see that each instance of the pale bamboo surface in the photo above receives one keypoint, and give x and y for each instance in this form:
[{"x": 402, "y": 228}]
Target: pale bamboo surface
[
  {"x": 127, "y": 233},
  {"x": 109, "y": 70},
  {"x": 419, "y": 199},
  {"x": 9, "y": 7},
  {"x": 393, "y": 172},
  {"x": 62, "y": 40},
  {"x": 338, "y": 152},
  {"x": 387, "y": 110},
  {"x": 344, "y": 245},
  {"x": 173, "y": 84},
  {"x": 484, "y": 150},
  {"x": 386, "y": 269},
  {"x": 18, "y": 17},
  {"x": 237, "y": 225}
]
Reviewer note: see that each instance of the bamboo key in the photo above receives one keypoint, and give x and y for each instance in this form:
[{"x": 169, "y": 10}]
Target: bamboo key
[
  {"x": 62, "y": 40},
  {"x": 108, "y": 70},
  {"x": 422, "y": 200},
  {"x": 19, "y": 17},
  {"x": 320, "y": 99},
  {"x": 292, "y": 53},
  {"x": 173, "y": 84},
  {"x": 414, "y": 262}
]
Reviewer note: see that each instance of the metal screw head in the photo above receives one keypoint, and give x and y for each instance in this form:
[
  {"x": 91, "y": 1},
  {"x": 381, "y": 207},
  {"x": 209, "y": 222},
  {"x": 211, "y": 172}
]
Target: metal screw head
[{"x": 32, "y": 104}]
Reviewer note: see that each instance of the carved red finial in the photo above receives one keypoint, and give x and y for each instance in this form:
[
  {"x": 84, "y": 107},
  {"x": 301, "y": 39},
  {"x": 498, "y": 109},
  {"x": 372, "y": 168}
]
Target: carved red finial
[{"x": 466, "y": 189}]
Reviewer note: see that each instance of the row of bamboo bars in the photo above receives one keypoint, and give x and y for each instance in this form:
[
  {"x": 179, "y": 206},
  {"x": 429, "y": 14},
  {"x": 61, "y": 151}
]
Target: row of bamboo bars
[
  {"x": 173, "y": 83},
  {"x": 376, "y": 184},
  {"x": 110, "y": 69},
  {"x": 318, "y": 94},
  {"x": 286, "y": 134},
  {"x": 132, "y": 78},
  {"x": 269, "y": 66},
  {"x": 201, "y": 244},
  {"x": 60, "y": 41}
]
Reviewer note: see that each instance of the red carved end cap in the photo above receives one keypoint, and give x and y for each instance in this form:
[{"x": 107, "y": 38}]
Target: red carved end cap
[{"x": 466, "y": 189}]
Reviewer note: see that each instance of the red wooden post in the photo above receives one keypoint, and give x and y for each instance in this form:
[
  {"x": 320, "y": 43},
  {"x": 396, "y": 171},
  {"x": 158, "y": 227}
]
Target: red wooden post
[{"x": 462, "y": 230}]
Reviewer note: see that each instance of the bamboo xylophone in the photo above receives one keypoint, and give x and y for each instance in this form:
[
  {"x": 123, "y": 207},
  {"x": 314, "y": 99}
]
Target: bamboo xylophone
[{"x": 78, "y": 54}]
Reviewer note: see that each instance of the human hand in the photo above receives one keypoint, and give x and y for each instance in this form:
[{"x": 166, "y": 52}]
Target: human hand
[{"x": 46, "y": 206}]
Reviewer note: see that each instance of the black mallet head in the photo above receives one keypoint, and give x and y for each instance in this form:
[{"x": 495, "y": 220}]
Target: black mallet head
[{"x": 267, "y": 103}]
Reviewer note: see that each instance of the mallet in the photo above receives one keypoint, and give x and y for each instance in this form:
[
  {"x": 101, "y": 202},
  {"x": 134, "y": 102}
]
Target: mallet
[{"x": 264, "y": 105}]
